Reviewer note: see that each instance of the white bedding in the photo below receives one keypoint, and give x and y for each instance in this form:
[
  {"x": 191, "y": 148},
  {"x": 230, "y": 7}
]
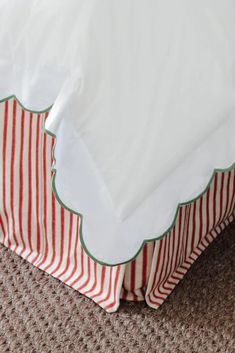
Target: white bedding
[{"x": 143, "y": 96}]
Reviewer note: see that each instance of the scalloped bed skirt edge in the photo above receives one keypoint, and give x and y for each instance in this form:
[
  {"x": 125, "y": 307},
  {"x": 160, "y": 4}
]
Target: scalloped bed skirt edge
[{"x": 36, "y": 227}]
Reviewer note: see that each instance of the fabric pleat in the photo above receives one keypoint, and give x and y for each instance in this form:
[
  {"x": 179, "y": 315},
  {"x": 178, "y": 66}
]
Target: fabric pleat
[{"x": 35, "y": 226}]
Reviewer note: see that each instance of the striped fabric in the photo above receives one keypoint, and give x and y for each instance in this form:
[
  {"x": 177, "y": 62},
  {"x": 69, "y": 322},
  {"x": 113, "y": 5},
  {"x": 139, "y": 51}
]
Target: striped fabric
[{"x": 36, "y": 227}]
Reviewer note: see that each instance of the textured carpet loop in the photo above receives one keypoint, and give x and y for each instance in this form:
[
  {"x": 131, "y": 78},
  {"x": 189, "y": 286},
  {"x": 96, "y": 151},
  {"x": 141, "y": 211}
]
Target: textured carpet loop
[{"x": 39, "y": 314}]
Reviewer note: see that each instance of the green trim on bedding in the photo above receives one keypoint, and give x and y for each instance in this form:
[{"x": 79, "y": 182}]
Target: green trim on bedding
[
  {"x": 23, "y": 107},
  {"x": 154, "y": 238}
]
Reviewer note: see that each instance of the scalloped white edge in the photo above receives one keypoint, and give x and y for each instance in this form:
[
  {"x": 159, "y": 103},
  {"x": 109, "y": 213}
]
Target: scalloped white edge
[{"x": 107, "y": 239}]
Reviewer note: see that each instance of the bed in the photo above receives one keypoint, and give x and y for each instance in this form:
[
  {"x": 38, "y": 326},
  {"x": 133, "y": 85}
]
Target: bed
[{"x": 117, "y": 140}]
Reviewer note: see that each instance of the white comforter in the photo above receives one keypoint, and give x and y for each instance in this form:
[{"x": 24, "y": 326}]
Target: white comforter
[{"x": 143, "y": 96}]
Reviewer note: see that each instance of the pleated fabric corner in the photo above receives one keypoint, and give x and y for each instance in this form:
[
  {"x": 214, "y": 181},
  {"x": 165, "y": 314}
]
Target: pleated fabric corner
[{"x": 35, "y": 226}]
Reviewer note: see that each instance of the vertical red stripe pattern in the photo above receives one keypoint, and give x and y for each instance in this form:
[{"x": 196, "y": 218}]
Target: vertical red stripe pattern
[
  {"x": 35, "y": 226},
  {"x": 197, "y": 225},
  {"x": 32, "y": 222}
]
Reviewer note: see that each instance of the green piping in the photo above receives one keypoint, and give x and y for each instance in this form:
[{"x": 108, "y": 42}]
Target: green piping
[
  {"x": 23, "y": 107},
  {"x": 144, "y": 241},
  {"x": 81, "y": 216}
]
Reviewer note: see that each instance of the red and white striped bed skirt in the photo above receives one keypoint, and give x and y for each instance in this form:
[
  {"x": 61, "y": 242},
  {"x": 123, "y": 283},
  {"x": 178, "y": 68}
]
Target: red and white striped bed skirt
[{"x": 36, "y": 227}]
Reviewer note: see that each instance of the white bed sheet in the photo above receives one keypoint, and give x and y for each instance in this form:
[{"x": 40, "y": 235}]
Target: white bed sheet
[{"x": 143, "y": 98}]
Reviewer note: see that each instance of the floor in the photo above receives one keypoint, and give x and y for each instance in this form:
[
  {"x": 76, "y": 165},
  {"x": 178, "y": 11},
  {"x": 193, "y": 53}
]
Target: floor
[{"x": 39, "y": 314}]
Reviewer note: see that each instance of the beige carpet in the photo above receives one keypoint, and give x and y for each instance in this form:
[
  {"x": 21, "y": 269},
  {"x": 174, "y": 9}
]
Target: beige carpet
[{"x": 40, "y": 314}]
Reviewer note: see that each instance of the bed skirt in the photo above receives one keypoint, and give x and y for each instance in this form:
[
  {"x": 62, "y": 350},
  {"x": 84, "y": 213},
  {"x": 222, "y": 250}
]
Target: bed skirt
[{"x": 35, "y": 226}]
